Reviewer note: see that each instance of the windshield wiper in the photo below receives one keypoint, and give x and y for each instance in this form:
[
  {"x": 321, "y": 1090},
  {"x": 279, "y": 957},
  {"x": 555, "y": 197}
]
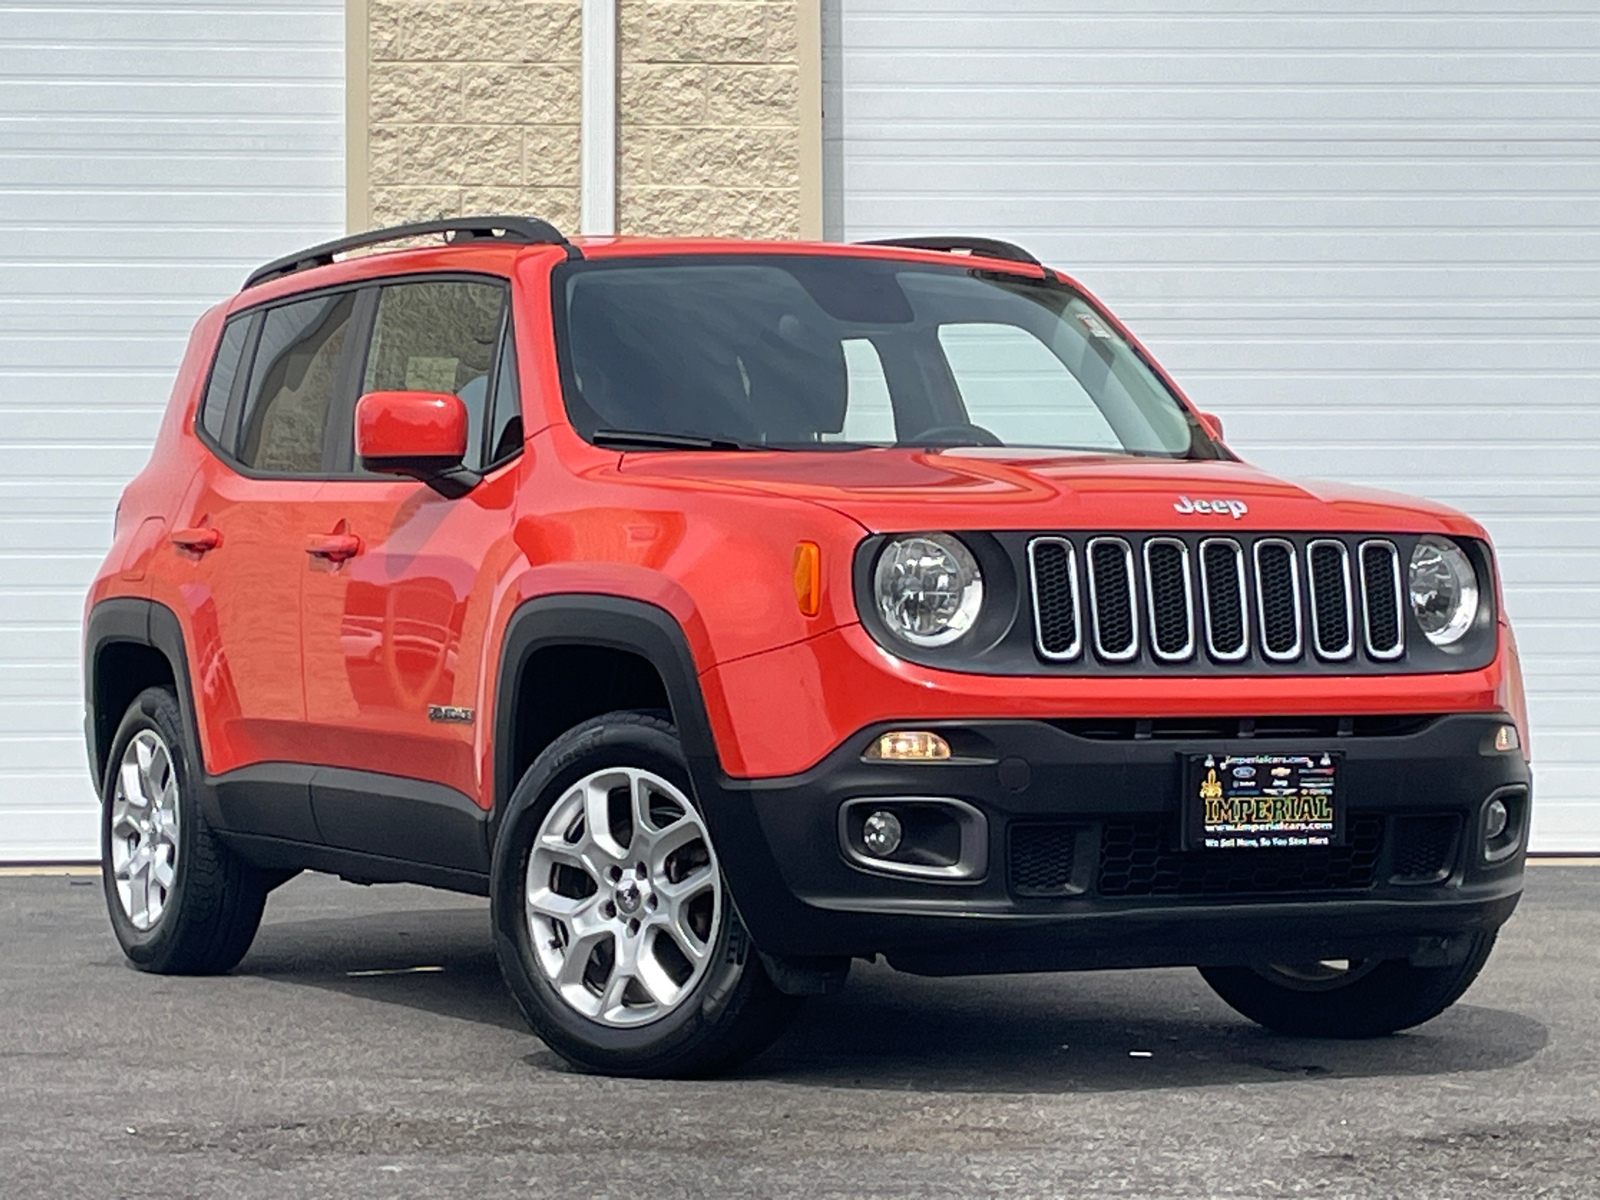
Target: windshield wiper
[{"x": 642, "y": 439}]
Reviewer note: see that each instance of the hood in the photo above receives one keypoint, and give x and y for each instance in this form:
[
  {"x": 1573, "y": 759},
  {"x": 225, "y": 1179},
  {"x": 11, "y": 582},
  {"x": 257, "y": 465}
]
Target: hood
[{"x": 897, "y": 490}]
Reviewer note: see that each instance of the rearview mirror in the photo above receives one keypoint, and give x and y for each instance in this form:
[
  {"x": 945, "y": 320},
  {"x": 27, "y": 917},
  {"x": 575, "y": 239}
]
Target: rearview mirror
[
  {"x": 421, "y": 435},
  {"x": 1213, "y": 424}
]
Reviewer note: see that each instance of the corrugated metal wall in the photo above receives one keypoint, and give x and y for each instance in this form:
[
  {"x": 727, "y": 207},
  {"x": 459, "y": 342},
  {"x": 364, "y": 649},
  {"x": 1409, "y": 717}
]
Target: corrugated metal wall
[
  {"x": 1366, "y": 234},
  {"x": 150, "y": 154}
]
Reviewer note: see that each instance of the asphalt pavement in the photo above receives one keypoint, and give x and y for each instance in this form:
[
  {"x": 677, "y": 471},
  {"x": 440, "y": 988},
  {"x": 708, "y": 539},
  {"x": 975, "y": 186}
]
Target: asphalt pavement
[{"x": 366, "y": 1046}]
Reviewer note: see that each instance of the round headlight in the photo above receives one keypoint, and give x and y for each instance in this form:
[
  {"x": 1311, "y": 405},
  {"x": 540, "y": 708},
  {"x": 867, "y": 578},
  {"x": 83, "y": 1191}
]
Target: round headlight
[
  {"x": 928, "y": 588},
  {"x": 1444, "y": 590}
]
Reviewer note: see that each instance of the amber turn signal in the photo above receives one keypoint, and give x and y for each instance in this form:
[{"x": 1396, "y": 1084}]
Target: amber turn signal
[
  {"x": 908, "y": 745},
  {"x": 808, "y": 578}
]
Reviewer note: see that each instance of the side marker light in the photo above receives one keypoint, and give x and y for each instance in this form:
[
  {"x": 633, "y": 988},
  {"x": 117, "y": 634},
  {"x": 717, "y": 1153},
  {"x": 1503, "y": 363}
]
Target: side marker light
[{"x": 808, "y": 578}]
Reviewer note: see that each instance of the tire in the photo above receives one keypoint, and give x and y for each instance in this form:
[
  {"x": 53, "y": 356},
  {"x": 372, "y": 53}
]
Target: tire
[
  {"x": 1363, "y": 1000},
  {"x": 195, "y": 907},
  {"x": 624, "y": 950}
]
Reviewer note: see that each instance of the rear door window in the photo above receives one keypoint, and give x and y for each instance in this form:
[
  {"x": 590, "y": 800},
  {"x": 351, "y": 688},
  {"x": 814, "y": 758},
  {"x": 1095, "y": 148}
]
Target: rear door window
[
  {"x": 439, "y": 336},
  {"x": 294, "y": 385}
]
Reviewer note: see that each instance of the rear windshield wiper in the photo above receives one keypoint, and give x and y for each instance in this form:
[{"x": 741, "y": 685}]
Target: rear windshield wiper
[{"x": 639, "y": 439}]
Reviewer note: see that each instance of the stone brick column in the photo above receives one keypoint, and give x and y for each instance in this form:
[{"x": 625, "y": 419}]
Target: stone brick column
[
  {"x": 709, "y": 107},
  {"x": 473, "y": 107}
]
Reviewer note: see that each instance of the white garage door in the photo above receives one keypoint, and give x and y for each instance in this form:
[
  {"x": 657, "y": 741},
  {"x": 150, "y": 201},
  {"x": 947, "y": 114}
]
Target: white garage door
[
  {"x": 1369, "y": 239},
  {"x": 150, "y": 154}
]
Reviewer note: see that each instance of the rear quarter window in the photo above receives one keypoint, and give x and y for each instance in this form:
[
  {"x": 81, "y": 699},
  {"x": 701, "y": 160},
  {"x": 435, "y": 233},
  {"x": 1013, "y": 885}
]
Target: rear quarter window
[{"x": 224, "y": 372}]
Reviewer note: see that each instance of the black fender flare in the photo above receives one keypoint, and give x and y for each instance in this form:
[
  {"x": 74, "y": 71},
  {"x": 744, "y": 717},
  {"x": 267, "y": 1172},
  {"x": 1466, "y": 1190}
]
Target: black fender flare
[
  {"x": 652, "y": 633},
  {"x": 614, "y": 623},
  {"x": 144, "y": 623}
]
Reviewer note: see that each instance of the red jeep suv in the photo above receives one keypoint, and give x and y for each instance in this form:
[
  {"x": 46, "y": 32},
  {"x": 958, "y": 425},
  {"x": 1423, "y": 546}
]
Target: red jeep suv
[{"x": 726, "y": 611}]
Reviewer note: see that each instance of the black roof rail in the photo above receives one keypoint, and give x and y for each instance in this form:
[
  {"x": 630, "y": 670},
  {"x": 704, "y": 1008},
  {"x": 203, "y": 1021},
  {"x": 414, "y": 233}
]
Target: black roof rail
[
  {"x": 988, "y": 247},
  {"x": 528, "y": 231}
]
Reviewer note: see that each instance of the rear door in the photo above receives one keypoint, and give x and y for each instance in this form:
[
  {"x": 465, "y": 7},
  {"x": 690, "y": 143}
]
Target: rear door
[
  {"x": 393, "y": 634},
  {"x": 240, "y": 545}
]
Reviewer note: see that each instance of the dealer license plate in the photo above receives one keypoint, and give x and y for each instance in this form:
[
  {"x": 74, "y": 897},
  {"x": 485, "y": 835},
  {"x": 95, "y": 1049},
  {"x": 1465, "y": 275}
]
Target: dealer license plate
[{"x": 1263, "y": 801}]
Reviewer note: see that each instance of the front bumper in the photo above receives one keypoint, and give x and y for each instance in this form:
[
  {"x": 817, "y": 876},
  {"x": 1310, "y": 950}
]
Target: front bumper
[{"x": 1135, "y": 898}]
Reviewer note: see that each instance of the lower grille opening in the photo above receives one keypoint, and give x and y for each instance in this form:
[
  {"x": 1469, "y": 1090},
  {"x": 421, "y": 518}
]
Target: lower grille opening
[
  {"x": 1041, "y": 858},
  {"x": 1114, "y": 729},
  {"x": 1137, "y": 858},
  {"x": 1425, "y": 847}
]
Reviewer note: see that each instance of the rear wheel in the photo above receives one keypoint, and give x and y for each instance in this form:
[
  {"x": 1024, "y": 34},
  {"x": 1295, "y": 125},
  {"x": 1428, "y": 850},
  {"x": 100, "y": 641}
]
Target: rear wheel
[
  {"x": 180, "y": 902},
  {"x": 1342, "y": 998},
  {"x": 613, "y": 924}
]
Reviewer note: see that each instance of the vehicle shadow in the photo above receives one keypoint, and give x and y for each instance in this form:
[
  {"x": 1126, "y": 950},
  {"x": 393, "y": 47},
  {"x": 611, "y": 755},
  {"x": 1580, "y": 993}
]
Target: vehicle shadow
[{"x": 1089, "y": 1032}]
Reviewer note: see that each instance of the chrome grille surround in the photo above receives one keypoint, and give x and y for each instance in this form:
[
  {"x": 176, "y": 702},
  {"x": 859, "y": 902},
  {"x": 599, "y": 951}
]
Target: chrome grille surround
[
  {"x": 1155, "y": 600},
  {"x": 1346, "y": 646},
  {"x": 1292, "y": 652},
  {"x": 1210, "y": 603},
  {"x": 1097, "y": 610},
  {"x": 1369, "y": 595},
  {"x": 1039, "y": 640}
]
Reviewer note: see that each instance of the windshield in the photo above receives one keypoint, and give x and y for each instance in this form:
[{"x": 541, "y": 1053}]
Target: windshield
[{"x": 800, "y": 352}]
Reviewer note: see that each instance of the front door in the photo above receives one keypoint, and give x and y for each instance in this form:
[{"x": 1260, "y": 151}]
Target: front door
[{"x": 394, "y": 621}]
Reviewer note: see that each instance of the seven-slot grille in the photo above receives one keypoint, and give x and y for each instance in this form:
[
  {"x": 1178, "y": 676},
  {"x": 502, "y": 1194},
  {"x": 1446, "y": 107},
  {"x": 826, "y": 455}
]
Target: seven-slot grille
[{"x": 1221, "y": 597}]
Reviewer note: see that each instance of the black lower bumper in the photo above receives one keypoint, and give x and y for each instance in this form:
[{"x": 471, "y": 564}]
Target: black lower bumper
[{"x": 1099, "y": 808}]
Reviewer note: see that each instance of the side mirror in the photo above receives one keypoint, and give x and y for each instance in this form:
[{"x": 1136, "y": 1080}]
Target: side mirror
[
  {"x": 421, "y": 435},
  {"x": 1213, "y": 424}
]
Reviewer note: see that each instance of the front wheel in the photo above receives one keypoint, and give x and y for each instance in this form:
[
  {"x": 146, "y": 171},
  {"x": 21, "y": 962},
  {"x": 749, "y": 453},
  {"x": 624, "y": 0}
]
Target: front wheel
[
  {"x": 1342, "y": 998},
  {"x": 613, "y": 924}
]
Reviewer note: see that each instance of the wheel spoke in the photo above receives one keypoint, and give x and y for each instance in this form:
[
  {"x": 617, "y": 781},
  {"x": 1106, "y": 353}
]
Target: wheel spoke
[
  {"x": 576, "y": 959},
  {"x": 611, "y": 1006},
  {"x": 144, "y": 755},
  {"x": 163, "y": 870},
  {"x": 685, "y": 831},
  {"x": 663, "y": 989},
  {"x": 132, "y": 789},
  {"x": 552, "y": 905},
  {"x": 673, "y": 921},
  {"x": 690, "y": 886}
]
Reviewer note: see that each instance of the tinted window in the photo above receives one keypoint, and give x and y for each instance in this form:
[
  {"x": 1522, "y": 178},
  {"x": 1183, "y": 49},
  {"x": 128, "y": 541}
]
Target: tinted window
[
  {"x": 438, "y": 337},
  {"x": 293, "y": 384},
  {"x": 214, "y": 405}
]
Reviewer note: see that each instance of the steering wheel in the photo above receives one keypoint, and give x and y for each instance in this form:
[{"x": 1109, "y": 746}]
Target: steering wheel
[{"x": 959, "y": 434}]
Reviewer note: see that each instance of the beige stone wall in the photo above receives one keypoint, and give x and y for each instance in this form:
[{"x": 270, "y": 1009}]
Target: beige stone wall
[
  {"x": 473, "y": 106},
  {"x": 709, "y": 118}
]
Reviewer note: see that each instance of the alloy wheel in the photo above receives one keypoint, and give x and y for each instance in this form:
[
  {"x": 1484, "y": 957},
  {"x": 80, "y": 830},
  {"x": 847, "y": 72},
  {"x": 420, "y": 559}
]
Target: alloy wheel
[
  {"x": 144, "y": 829},
  {"x": 623, "y": 897}
]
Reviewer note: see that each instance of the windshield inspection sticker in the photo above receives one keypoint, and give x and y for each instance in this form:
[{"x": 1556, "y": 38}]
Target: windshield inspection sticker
[{"x": 1093, "y": 325}]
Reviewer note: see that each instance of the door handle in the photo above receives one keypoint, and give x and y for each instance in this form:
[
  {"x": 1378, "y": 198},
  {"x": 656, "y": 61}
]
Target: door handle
[
  {"x": 334, "y": 547},
  {"x": 198, "y": 539}
]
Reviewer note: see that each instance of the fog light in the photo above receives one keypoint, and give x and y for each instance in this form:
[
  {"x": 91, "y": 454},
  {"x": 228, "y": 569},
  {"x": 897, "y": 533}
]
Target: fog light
[
  {"x": 909, "y": 745},
  {"x": 881, "y": 833},
  {"x": 1495, "y": 819},
  {"x": 1505, "y": 740}
]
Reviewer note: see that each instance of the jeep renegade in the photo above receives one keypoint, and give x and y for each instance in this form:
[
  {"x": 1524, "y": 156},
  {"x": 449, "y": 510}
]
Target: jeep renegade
[{"x": 728, "y": 611}]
